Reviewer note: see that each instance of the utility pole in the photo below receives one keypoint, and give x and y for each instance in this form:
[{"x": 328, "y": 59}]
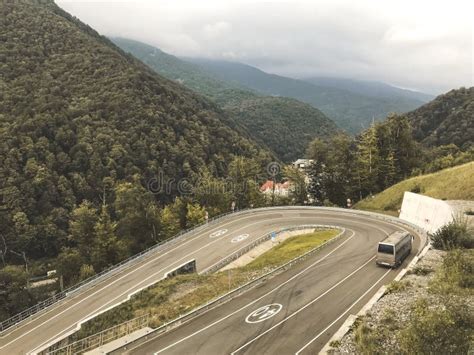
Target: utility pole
[{"x": 3, "y": 252}]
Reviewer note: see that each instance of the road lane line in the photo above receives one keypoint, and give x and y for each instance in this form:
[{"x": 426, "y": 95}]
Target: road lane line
[
  {"x": 199, "y": 234},
  {"x": 115, "y": 281},
  {"x": 337, "y": 219},
  {"x": 158, "y": 256},
  {"x": 97, "y": 311},
  {"x": 305, "y": 306},
  {"x": 258, "y": 299},
  {"x": 344, "y": 313}
]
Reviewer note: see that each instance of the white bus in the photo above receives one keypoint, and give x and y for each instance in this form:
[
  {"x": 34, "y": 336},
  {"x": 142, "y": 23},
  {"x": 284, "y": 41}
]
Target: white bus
[{"x": 394, "y": 249}]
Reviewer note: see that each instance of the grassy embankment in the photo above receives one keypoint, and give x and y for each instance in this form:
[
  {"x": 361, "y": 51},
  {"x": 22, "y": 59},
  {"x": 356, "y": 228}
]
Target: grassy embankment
[
  {"x": 172, "y": 297},
  {"x": 449, "y": 184}
]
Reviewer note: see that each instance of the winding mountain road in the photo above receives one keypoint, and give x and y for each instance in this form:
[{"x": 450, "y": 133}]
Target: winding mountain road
[{"x": 294, "y": 312}]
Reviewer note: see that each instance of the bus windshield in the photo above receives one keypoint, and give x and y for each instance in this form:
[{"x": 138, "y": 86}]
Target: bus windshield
[{"x": 385, "y": 248}]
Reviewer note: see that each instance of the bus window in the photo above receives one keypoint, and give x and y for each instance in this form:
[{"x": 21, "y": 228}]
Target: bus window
[{"x": 385, "y": 248}]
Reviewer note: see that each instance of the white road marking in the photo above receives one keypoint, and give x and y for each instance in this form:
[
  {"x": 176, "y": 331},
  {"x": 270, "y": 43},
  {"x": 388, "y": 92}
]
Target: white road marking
[
  {"x": 263, "y": 313},
  {"x": 304, "y": 307},
  {"x": 239, "y": 238},
  {"x": 78, "y": 325},
  {"x": 154, "y": 259},
  {"x": 218, "y": 233},
  {"x": 115, "y": 281},
  {"x": 131, "y": 271},
  {"x": 344, "y": 313},
  {"x": 96, "y": 312},
  {"x": 258, "y": 299}
]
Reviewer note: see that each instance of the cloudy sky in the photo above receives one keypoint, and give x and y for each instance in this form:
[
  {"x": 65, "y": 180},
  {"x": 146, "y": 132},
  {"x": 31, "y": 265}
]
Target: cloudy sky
[{"x": 417, "y": 44}]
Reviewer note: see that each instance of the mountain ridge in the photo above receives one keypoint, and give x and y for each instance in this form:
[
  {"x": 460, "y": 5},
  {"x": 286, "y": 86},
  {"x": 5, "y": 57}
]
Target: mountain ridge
[
  {"x": 286, "y": 128},
  {"x": 351, "y": 111},
  {"x": 448, "y": 119}
]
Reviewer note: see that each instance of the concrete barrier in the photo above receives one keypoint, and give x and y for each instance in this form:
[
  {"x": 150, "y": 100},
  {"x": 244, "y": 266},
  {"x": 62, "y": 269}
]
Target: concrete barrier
[{"x": 426, "y": 212}]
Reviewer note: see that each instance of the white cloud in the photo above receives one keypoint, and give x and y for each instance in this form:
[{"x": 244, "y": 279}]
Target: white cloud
[{"x": 411, "y": 43}]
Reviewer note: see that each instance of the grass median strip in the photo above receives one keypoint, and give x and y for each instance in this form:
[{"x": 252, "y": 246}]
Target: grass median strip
[{"x": 173, "y": 297}]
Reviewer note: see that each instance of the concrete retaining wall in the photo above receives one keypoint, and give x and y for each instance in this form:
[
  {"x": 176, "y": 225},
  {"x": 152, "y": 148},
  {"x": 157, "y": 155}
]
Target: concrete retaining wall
[{"x": 426, "y": 212}]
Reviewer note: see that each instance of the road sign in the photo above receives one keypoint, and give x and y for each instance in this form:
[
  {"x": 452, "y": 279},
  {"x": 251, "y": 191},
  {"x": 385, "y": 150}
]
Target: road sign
[{"x": 273, "y": 236}]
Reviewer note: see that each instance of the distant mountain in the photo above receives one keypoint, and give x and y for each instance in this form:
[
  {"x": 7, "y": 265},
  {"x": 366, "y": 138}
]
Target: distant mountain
[
  {"x": 284, "y": 125},
  {"x": 370, "y": 88},
  {"x": 447, "y": 119},
  {"x": 352, "y": 111},
  {"x": 182, "y": 72}
]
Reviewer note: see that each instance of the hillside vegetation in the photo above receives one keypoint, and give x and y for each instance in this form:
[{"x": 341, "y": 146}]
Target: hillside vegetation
[
  {"x": 350, "y": 110},
  {"x": 449, "y": 184},
  {"x": 449, "y": 119},
  {"x": 283, "y": 124},
  {"x": 84, "y": 128},
  {"x": 286, "y": 126}
]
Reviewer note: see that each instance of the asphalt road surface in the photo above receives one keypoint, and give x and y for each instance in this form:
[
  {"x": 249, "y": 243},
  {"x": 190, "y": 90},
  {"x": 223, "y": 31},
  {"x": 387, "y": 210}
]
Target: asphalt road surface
[{"x": 297, "y": 310}]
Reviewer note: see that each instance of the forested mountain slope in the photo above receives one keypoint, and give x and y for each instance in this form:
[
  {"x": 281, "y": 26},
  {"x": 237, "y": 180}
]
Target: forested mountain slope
[
  {"x": 285, "y": 125},
  {"x": 447, "y": 119},
  {"x": 351, "y": 111},
  {"x": 78, "y": 117}
]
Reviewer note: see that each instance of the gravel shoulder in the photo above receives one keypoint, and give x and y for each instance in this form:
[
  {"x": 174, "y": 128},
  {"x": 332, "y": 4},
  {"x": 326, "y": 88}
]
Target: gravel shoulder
[{"x": 392, "y": 312}]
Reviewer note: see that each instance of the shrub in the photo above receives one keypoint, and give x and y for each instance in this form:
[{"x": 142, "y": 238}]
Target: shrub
[
  {"x": 368, "y": 340},
  {"x": 396, "y": 286},
  {"x": 455, "y": 234},
  {"x": 420, "y": 270},
  {"x": 456, "y": 274},
  {"x": 416, "y": 189},
  {"x": 446, "y": 330}
]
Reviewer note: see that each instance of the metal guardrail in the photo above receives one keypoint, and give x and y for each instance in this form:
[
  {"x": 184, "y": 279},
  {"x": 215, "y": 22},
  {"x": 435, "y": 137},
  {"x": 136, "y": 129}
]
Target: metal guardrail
[
  {"x": 237, "y": 291},
  {"x": 103, "y": 337},
  {"x": 214, "y": 303},
  {"x": 104, "y": 274},
  {"x": 228, "y": 296}
]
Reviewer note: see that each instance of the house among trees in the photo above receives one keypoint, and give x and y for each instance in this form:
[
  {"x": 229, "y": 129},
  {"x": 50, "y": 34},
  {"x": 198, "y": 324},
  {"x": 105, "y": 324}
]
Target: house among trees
[
  {"x": 303, "y": 164},
  {"x": 280, "y": 189}
]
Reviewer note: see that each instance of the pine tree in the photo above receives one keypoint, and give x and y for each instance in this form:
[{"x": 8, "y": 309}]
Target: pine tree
[
  {"x": 368, "y": 161},
  {"x": 107, "y": 249}
]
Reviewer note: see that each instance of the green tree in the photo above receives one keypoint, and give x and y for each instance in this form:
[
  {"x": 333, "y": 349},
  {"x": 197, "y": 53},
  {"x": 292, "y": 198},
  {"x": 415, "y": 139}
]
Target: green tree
[
  {"x": 170, "y": 221},
  {"x": 82, "y": 228},
  {"x": 332, "y": 174},
  {"x": 138, "y": 218},
  {"x": 368, "y": 161},
  {"x": 86, "y": 272},
  {"x": 14, "y": 296},
  {"x": 195, "y": 215},
  {"x": 68, "y": 265},
  {"x": 107, "y": 248},
  {"x": 212, "y": 193},
  {"x": 245, "y": 174},
  {"x": 298, "y": 180}
]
